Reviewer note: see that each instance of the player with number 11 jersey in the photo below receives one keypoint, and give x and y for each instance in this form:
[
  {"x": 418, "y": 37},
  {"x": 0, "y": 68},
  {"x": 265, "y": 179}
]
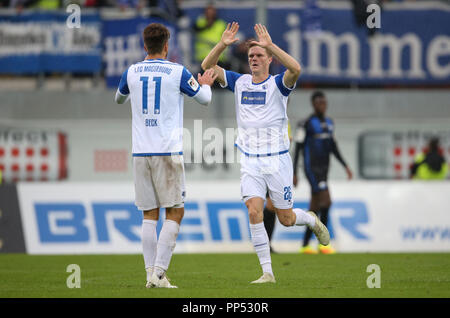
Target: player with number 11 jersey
[{"x": 155, "y": 87}]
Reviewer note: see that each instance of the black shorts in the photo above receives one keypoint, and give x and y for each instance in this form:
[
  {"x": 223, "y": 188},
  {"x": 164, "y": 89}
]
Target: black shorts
[{"x": 318, "y": 179}]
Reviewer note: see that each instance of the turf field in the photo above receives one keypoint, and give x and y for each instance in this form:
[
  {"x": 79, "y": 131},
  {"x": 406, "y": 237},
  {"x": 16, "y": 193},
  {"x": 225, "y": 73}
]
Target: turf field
[{"x": 228, "y": 276}]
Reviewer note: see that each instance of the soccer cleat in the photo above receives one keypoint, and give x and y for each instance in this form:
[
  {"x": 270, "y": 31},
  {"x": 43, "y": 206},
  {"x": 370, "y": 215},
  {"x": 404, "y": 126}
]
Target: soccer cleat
[
  {"x": 156, "y": 282},
  {"x": 149, "y": 276},
  {"x": 265, "y": 278},
  {"x": 320, "y": 230},
  {"x": 308, "y": 250},
  {"x": 326, "y": 249}
]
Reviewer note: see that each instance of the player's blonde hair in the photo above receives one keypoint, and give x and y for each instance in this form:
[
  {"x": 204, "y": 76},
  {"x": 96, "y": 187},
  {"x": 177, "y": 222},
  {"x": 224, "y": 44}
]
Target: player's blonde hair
[{"x": 249, "y": 45}]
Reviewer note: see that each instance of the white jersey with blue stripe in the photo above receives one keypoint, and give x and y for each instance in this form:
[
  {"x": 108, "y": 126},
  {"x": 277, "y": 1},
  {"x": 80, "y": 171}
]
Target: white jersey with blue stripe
[
  {"x": 156, "y": 89},
  {"x": 261, "y": 113}
]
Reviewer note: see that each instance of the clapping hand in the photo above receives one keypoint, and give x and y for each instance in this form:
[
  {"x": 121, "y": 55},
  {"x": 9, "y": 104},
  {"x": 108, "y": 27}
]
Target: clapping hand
[
  {"x": 264, "y": 39},
  {"x": 228, "y": 36},
  {"x": 207, "y": 78}
]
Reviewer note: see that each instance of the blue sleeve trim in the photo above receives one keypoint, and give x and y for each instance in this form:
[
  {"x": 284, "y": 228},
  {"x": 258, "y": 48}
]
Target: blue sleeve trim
[
  {"x": 231, "y": 78},
  {"x": 283, "y": 89},
  {"x": 185, "y": 86},
  {"x": 123, "y": 85}
]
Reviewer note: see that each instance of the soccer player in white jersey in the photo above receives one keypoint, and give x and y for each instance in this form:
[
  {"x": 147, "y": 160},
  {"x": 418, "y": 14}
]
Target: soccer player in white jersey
[
  {"x": 155, "y": 87},
  {"x": 266, "y": 165}
]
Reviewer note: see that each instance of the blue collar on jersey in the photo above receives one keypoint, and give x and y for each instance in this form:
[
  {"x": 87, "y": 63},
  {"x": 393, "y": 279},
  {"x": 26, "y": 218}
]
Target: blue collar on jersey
[
  {"x": 262, "y": 81},
  {"x": 153, "y": 61}
]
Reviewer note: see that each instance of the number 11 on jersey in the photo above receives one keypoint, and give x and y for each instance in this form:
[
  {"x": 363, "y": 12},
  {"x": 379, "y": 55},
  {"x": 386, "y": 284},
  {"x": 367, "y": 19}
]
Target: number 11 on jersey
[{"x": 157, "y": 80}]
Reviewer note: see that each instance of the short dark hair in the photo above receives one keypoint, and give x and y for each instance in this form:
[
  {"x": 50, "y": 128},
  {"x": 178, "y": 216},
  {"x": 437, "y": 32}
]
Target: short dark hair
[
  {"x": 155, "y": 37},
  {"x": 316, "y": 94},
  {"x": 249, "y": 45},
  {"x": 434, "y": 143}
]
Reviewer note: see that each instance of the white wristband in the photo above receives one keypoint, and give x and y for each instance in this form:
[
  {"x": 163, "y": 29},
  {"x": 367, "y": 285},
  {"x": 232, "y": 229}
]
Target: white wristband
[{"x": 204, "y": 95}]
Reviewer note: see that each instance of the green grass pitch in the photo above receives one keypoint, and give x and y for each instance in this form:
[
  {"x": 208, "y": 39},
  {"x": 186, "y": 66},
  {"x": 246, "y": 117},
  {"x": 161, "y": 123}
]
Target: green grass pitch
[{"x": 228, "y": 276}]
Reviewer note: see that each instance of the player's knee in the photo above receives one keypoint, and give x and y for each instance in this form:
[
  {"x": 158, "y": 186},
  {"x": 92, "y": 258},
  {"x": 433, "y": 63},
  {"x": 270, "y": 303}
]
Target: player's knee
[
  {"x": 255, "y": 208},
  {"x": 175, "y": 214},
  {"x": 286, "y": 222},
  {"x": 151, "y": 214},
  {"x": 286, "y": 219},
  {"x": 253, "y": 213}
]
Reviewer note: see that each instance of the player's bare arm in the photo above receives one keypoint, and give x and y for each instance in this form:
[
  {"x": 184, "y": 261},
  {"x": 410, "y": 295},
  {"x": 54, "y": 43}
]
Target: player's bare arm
[
  {"x": 293, "y": 67},
  {"x": 228, "y": 38}
]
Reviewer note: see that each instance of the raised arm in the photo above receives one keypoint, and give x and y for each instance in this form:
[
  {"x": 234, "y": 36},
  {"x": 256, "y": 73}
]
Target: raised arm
[
  {"x": 293, "y": 67},
  {"x": 210, "y": 61}
]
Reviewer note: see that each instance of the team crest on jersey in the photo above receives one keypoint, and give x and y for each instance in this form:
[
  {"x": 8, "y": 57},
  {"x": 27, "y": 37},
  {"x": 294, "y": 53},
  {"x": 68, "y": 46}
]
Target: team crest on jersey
[{"x": 193, "y": 83}]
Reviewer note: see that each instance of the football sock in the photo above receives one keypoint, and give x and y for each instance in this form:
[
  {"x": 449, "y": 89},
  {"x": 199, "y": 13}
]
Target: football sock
[
  {"x": 303, "y": 218},
  {"x": 260, "y": 242},
  {"x": 269, "y": 222},
  {"x": 149, "y": 242},
  {"x": 307, "y": 237},
  {"x": 159, "y": 271},
  {"x": 324, "y": 215},
  {"x": 166, "y": 245}
]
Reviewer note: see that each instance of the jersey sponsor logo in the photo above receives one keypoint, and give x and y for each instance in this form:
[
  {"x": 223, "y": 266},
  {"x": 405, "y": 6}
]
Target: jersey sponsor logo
[
  {"x": 253, "y": 98},
  {"x": 193, "y": 83}
]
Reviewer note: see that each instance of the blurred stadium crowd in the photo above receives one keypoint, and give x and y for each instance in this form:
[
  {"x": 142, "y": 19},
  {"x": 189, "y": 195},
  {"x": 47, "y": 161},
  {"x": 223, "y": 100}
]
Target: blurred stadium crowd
[
  {"x": 382, "y": 129},
  {"x": 124, "y": 4}
]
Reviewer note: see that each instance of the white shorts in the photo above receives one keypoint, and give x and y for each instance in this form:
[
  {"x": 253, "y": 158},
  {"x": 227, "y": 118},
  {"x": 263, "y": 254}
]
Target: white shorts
[
  {"x": 159, "y": 182},
  {"x": 272, "y": 174}
]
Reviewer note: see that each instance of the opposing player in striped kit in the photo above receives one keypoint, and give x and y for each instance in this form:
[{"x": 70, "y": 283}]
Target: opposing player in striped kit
[
  {"x": 155, "y": 87},
  {"x": 266, "y": 166}
]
